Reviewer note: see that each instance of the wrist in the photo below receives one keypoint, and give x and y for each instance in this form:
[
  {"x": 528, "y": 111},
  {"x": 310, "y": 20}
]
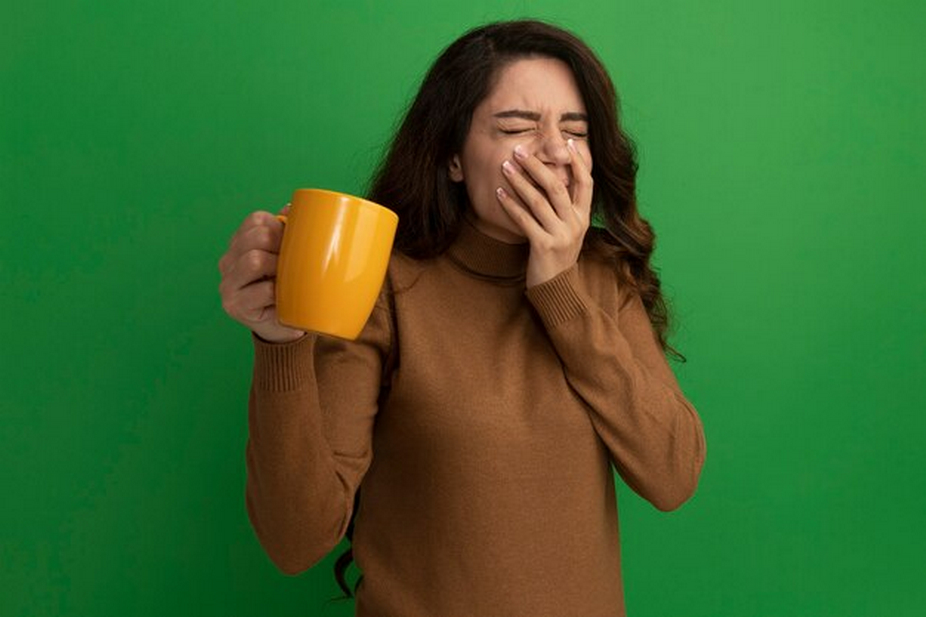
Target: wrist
[{"x": 279, "y": 338}]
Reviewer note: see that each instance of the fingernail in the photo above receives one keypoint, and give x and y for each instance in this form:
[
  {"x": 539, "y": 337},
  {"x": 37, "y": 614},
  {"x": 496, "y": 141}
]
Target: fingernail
[
  {"x": 520, "y": 152},
  {"x": 572, "y": 144},
  {"x": 501, "y": 192},
  {"x": 508, "y": 167}
]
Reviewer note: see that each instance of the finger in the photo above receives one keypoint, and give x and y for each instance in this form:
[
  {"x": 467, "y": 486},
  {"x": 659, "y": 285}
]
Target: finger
[
  {"x": 530, "y": 195},
  {"x": 259, "y": 218},
  {"x": 519, "y": 214},
  {"x": 251, "y": 303},
  {"x": 251, "y": 266},
  {"x": 267, "y": 236},
  {"x": 581, "y": 179},
  {"x": 259, "y": 230},
  {"x": 262, "y": 237},
  {"x": 557, "y": 194}
]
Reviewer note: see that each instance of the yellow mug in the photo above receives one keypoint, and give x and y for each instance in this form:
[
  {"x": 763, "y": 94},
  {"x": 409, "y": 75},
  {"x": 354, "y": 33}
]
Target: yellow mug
[{"x": 332, "y": 261}]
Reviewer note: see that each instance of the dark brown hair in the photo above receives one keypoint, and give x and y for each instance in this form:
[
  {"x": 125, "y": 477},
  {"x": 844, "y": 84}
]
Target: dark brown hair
[{"x": 413, "y": 178}]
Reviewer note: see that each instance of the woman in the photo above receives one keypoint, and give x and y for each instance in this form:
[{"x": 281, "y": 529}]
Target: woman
[{"x": 514, "y": 356}]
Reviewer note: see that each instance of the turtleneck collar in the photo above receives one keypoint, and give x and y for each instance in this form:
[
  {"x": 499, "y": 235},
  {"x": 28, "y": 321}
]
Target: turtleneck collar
[{"x": 487, "y": 258}]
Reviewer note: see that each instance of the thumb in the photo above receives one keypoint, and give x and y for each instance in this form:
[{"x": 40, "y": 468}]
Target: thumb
[{"x": 285, "y": 209}]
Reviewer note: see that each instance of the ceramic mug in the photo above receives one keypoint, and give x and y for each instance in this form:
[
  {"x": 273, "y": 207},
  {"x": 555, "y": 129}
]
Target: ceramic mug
[{"x": 332, "y": 261}]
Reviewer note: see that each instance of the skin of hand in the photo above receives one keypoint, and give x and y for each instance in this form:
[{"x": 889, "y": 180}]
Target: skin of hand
[
  {"x": 553, "y": 217},
  {"x": 248, "y": 270}
]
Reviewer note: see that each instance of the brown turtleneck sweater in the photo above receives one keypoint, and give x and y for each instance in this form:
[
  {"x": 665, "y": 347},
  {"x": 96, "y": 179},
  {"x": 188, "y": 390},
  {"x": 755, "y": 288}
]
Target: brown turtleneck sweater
[{"x": 483, "y": 419}]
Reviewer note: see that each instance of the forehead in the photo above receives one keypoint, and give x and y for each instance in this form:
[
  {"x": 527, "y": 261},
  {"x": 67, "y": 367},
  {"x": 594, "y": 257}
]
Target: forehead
[{"x": 534, "y": 84}]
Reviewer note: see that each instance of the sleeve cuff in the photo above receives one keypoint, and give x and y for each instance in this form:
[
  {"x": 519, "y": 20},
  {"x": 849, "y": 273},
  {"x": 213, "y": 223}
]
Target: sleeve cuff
[
  {"x": 281, "y": 367},
  {"x": 559, "y": 299}
]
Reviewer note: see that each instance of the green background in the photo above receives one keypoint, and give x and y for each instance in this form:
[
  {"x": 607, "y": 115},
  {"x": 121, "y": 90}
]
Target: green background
[{"x": 782, "y": 167}]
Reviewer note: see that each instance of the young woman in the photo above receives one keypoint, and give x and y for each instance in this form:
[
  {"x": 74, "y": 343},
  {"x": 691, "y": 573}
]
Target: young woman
[{"x": 515, "y": 355}]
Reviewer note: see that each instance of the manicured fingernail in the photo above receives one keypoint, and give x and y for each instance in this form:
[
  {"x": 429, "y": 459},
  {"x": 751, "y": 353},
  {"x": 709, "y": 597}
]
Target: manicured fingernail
[
  {"x": 508, "y": 167},
  {"x": 520, "y": 152},
  {"x": 501, "y": 192},
  {"x": 572, "y": 144}
]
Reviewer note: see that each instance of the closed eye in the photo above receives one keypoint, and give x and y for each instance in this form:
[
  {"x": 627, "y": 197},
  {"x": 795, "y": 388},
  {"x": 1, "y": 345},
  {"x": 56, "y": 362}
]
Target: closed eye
[{"x": 578, "y": 134}]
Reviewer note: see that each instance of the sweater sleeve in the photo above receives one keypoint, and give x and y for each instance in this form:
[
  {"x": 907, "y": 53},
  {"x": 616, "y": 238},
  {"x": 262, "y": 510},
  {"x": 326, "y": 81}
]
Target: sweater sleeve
[
  {"x": 613, "y": 361},
  {"x": 310, "y": 417}
]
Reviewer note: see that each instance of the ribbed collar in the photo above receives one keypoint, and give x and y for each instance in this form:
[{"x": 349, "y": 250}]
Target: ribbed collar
[{"x": 487, "y": 258}]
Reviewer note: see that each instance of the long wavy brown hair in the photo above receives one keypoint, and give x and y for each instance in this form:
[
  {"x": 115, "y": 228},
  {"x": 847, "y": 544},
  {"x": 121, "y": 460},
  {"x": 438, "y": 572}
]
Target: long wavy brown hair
[{"x": 413, "y": 178}]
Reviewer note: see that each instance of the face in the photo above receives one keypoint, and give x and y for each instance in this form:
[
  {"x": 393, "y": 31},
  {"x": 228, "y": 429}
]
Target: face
[{"x": 536, "y": 104}]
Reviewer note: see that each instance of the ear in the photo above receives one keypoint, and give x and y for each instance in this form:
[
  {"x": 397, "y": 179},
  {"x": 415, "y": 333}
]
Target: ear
[{"x": 456, "y": 169}]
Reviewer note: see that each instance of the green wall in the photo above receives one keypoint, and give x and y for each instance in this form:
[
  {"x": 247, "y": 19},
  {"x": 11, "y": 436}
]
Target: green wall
[{"x": 782, "y": 165}]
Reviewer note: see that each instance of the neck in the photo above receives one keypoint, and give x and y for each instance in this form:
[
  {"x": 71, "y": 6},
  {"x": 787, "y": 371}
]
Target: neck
[
  {"x": 495, "y": 232},
  {"x": 487, "y": 257}
]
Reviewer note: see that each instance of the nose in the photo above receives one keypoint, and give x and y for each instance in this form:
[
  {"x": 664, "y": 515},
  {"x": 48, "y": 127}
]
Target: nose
[{"x": 552, "y": 149}]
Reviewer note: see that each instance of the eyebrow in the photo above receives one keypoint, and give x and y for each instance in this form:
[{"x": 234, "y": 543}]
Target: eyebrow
[{"x": 533, "y": 115}]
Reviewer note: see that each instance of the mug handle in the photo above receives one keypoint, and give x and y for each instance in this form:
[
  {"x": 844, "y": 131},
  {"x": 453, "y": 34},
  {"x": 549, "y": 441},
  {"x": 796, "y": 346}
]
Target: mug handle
[{"x": 282, "y": 217}]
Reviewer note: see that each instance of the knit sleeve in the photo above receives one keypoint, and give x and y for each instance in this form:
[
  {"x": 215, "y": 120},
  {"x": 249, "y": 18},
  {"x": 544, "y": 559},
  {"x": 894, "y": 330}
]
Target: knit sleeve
[
  {"x": 613, "y": 361},
  {"x": 311, "y": 410}
]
